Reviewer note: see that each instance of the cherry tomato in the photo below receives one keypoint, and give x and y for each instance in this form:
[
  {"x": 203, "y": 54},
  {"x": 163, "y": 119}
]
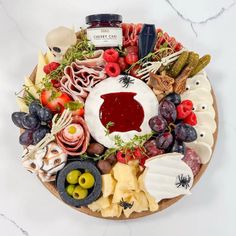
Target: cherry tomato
[
  {"x": 131, "y": 58},
  {"x": 122, "y": 63}
]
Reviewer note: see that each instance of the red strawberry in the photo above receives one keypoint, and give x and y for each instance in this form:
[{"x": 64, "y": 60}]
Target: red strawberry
[
  {"x": 191, "y": 119},
  {"x": 54, "y": 100},
  {"x": 50, "y": 67},
  {"x": 122, "y": 63},
  {"x": 139, "y": 153},
  {"x": 111, "y": 55},
  {"x": 112, "y": 69}
]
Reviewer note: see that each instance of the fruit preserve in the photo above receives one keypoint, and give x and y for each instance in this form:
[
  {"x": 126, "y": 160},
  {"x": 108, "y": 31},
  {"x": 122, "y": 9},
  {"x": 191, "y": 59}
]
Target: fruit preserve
[
  {"x": 122, "y": 111},
  {"x": 104, "y": 30}
]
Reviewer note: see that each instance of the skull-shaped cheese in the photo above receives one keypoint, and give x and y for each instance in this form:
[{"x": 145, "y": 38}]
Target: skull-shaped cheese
[
  {"x": 47, "y": 162},
  {"x": 59, "y": 40}
]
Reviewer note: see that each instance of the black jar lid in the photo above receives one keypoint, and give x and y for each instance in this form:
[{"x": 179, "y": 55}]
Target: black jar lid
[{"x": 103, "y": 18}]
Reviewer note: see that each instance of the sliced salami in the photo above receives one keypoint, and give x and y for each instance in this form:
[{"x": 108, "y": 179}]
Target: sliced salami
[{"x": 192, "y": 160}]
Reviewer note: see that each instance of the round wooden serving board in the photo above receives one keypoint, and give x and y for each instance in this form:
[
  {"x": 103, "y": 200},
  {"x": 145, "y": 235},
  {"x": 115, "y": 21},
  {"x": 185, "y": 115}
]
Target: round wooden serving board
[{"x": 162, "y": 205}]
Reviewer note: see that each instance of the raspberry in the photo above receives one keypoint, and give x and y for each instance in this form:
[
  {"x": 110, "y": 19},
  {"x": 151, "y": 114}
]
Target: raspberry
[
  {"x": 191, "y": 119},
  {"x": 112, "y": 69},
  {"x": 184, "y": 109},
  {"x": 50, "y": 67},
  {"x": 111, "y": 55}
]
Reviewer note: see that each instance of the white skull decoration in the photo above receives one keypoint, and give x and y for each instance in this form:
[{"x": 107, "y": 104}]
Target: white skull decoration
[
  {"x": 47, "y": 162},
  {"x": 59, "y": 40}
]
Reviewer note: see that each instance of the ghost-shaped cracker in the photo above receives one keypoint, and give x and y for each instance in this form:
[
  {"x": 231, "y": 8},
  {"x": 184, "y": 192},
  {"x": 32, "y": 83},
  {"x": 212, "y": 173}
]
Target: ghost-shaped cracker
[
  {"x": 198, "y": 81},
  {"x": 204, "y": 135},
  {"x": 196, "y": 94},
  {"x": 167, "y": 176}
]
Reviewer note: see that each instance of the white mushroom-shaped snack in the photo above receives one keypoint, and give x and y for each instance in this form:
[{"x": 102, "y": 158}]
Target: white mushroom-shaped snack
[
  {"x": 203, "y": 150},
  {"x": 167, "y": 176},
  {"x": 59, "y": 40}
]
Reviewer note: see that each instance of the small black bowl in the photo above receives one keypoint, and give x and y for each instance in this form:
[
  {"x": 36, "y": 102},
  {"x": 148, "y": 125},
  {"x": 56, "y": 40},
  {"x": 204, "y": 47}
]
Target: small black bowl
[{"x": 94, "y": 193}]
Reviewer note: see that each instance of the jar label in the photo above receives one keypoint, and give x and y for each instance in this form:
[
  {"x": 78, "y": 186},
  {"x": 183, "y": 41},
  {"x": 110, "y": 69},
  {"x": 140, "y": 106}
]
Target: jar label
[{"x": 105, "y": 36}]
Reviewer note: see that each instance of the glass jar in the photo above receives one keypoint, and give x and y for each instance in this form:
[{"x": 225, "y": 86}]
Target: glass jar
[{"x": 104, "y": 30}]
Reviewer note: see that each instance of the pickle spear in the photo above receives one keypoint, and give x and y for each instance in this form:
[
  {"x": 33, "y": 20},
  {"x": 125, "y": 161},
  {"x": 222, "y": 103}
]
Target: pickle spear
[
  {"x": 179, "y": 64},
  {"x": 193, "y": 59},
  {"x": 203, "y": 62}
]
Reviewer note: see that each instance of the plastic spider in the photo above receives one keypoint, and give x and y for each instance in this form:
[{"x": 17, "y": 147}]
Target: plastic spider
[
  {"x": 126, "y": 80},
  {"x": 183, "y": 181},
  {"x": 125, "y": 205}
]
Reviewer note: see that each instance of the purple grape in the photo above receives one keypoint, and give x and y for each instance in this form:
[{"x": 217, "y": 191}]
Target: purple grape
[
  {"x": 157, "y": 124},
  {"x": 179, "y": 147},
  {"x": 164, "y": 141},
  {"x": 26, "y": 138},
  {"x": 185, "y": 133},
  {"x": 151, "y": 148},
  {"x": 45, "y": 114},
  {"x": 17, "y": 118},
  {"x": 168, "y": 111},
  {"x": 174, "y": 98},
  {"x": 30, "y": 122},
  {"x": 34, "y": 107},
  {"x": 40, "y": 133}
]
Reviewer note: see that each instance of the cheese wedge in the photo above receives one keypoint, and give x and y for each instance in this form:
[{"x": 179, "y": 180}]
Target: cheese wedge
[
  {"x": 32, "y": 88},
  {"x": 40, "y": 73},
  {"x": 23, "y": 107}
]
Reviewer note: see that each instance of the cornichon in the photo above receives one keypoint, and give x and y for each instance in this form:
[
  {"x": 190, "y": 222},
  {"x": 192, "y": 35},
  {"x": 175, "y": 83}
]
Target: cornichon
[
  {"x": 203, "y": 62},
  {"x": 179, "y": 64},
  {"x": 193, "y": 59}
]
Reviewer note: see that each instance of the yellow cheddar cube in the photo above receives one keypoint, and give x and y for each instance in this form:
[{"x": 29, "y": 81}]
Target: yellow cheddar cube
[{"x": 40, "y": 74}]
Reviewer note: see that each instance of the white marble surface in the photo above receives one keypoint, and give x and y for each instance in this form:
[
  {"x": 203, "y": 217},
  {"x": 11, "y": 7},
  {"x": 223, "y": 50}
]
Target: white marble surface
[{"x": 207, "y": 26}]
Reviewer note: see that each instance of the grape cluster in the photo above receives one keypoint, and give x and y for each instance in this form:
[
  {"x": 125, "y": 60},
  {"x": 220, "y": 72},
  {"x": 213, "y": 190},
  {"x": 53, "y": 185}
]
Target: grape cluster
[
  {"x": 171, "y": 133},
  {"x": 36, "y": 123}
]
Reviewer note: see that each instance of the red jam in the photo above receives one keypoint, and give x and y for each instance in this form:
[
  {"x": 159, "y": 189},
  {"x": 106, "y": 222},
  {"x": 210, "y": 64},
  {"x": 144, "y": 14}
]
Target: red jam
[
  {"x": 104, "y": 30},
  {"x": 122, "y": 110}
]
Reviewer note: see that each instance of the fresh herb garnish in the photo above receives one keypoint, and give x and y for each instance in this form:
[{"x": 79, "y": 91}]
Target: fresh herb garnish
[
  {"x": 74, "y": 105},
  {"x": 107, "y": 128}
]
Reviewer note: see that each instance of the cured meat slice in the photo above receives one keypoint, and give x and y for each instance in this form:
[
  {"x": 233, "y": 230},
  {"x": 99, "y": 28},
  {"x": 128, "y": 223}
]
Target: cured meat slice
[
  {"x": 192, "y": 159},
  {"x": 75, "y": 147},
  {"x": 130, "y": 34},
  {"x": 81, "y": 76}
]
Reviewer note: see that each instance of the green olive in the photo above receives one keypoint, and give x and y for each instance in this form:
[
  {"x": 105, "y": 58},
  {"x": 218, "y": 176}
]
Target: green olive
[
  {"x": 79, "y": 193},
  {"x": 70, "y": 189},
  {"x": 86, "y": 180},
  {"x": 72, "y": 177}
]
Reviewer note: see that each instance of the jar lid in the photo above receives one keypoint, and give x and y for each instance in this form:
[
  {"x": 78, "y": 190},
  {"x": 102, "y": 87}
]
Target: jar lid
[{"x": 103, "y": 18}]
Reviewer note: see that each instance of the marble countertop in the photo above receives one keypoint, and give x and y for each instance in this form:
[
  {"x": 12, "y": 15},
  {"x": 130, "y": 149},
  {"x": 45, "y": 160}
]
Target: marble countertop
[{"x": 207, "y": 26}]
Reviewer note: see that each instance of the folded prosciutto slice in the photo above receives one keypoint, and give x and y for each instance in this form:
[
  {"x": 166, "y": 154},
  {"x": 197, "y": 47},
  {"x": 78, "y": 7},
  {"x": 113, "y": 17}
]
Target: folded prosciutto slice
[
  {"x": 81, "y": 76},
  {"x": 130, "y": 34},
  {"x": 74, "y": 139}
]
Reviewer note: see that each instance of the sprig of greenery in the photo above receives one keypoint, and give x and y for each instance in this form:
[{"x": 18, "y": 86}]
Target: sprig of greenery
[
  {"x": 107, "y": 128},
  {"x": 82, "y": 49}
]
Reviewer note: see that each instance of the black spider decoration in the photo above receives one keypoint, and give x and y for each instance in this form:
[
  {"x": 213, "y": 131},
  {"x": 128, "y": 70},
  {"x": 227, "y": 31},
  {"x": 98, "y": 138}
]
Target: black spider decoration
[
  {"x": 126, "y": 81},
  {"x": 183, "y": 181},
  {"x": 125, "y": 205}
]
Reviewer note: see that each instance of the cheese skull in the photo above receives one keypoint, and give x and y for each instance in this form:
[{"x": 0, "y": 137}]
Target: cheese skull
[{"x": 59, "y": 40}]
